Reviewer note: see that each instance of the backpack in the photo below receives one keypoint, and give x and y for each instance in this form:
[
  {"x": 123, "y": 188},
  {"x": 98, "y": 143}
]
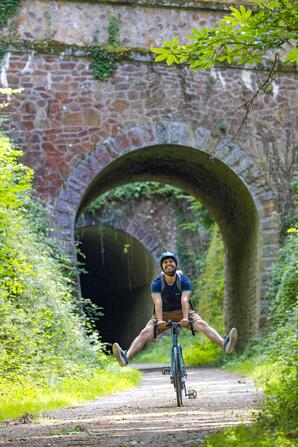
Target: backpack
[{"x": 179, "y": 273}]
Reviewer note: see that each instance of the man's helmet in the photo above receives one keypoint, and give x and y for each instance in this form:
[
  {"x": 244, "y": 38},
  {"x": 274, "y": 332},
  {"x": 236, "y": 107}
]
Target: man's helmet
[{"x": 166, "y": 255}]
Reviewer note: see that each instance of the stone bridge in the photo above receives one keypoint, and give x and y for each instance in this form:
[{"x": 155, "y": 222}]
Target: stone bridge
[{"x": 148, "y": 121}]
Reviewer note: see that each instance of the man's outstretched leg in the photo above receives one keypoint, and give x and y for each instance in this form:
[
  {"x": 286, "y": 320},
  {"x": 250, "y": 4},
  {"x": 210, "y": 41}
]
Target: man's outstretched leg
[
  {"x": 137, "y": 345},
  {"x": 227, "y": 343}
]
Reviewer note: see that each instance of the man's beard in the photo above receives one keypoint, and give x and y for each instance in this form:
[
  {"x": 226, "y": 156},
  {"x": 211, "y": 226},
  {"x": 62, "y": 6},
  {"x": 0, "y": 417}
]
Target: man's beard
[{"x": 171, "y": 273}]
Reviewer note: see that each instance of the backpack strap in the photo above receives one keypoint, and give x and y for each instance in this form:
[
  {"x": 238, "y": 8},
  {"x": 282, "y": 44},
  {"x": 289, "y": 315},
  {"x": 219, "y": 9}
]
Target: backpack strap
[
  {"x": 178, "y": 280},
  {"x": 179, "y": 273},
  {"x": 162, "y": 282}
]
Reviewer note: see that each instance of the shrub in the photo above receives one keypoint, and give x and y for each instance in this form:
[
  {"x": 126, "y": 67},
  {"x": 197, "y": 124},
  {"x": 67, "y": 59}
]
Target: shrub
[
  {"x": 272, "y": 360},
  {"x": 209, "y": 288},
  {"x": 42, "y": 334}
]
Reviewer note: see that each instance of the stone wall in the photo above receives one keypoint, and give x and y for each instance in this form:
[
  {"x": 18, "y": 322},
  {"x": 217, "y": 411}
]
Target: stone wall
[{"x": 63, "y": 112}]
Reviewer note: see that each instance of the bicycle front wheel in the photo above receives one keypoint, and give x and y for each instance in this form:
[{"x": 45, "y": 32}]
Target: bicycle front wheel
[{"x": 177, "y": 378}]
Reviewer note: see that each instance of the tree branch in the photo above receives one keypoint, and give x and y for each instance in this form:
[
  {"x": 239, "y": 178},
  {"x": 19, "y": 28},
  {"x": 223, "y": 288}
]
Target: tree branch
[{"x": 247, "y": 105}]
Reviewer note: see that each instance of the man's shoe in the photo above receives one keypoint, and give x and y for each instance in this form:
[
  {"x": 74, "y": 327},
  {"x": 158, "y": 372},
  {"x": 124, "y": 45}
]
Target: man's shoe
[
  {"x": 120, "y": 355},
  {"x": 230, "y": 341}
]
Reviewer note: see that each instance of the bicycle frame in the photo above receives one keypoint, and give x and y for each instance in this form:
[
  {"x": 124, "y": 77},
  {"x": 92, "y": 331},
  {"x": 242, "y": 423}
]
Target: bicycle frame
[{"x": 177, "y": 370}]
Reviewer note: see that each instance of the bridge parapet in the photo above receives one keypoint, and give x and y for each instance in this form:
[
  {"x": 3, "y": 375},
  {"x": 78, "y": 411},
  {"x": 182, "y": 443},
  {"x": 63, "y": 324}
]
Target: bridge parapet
[{"x": 141, "y": 23}]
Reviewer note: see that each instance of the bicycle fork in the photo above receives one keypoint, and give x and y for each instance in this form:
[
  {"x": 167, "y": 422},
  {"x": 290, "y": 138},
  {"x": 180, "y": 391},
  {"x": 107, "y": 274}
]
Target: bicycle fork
[{"x": 171, "y": 371}]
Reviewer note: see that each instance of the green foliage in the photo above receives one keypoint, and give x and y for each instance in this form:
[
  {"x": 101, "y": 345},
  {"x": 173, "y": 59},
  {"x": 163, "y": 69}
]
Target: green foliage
[
  {"x": 272, "y": 360},
  {"x": 202, "y": 217},
  {"x": 283, "y": 289},
  {"x": 3, "y": 49},
  {"x": 104, "y": 61},
  {"x": 50, "y": 354},
  {"x": 254, "y": 436},
  {"x": 133, "y": 191},
  {"x": 8, "y": 8},
  {"x": 242, "y": 37},
  {"x": 113, "y": 31},
  {"x": 23, "y": 397},
  {"x": 40, "y": 327},
  {"x": 209, "y": 288},
  {"x": 196, "y": 350}
]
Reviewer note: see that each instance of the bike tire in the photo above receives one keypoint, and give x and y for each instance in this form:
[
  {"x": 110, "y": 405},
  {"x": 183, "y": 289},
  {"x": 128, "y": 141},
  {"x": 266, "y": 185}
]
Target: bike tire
[{"x": 178, "y": 385}]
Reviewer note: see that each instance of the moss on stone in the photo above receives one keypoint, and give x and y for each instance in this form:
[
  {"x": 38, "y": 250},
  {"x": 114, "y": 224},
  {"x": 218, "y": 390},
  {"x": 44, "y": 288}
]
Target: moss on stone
[{"x": 172, "y": 4}]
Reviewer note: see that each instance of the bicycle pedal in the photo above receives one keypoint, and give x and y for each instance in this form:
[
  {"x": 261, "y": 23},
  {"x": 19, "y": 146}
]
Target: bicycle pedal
[
  {"x": 192, "y": 394},
  {"x": 166, "y": 371}
]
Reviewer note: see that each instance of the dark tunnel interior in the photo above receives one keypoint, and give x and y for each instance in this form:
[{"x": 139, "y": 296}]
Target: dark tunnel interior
[{"x": 117, "y": 274}]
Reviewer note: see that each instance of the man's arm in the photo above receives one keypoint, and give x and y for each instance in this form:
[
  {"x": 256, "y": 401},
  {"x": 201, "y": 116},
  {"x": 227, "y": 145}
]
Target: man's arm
[
  {"x": 185, "y": 306},
  {"x": 156, "y": 297}
]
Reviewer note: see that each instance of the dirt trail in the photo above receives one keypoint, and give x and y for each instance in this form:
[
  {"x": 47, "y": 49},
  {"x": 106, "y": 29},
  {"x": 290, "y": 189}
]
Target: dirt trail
[{"x": 144, "y": 416}]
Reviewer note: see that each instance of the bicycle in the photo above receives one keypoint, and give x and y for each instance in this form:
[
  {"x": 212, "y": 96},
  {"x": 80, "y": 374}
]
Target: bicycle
[{"x": 177, "y": 371}]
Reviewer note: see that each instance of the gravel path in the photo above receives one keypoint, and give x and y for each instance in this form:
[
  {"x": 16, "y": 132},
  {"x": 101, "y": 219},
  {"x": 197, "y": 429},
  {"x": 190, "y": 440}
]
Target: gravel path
[{"x": 144, "y": 416}]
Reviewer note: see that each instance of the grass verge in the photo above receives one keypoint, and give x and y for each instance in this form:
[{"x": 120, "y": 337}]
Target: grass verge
[
  {"x": 18, "y": 399},
  {"x": 196, "y": 350},
  {"x": 253, "y": 436}
]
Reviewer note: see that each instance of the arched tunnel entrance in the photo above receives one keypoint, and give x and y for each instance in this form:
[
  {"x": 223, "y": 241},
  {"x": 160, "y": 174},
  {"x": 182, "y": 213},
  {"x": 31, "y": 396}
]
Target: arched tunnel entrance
[
  {"x": 117, "y": 274},
  {"x": 220, "y": 189}
]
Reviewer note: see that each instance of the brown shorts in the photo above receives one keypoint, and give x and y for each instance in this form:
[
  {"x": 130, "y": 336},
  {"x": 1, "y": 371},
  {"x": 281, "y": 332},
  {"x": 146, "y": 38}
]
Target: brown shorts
[{"x": 175, "y": 315}]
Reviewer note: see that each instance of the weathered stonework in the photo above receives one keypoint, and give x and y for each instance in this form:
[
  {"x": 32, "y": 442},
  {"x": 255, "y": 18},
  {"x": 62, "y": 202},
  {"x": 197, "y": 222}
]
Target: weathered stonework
[
  {"x": 87, "y": 23},
  {"x": 149, "y": 121},
  {"x": 148, "y": 221},
  {"x": 64, "y": 112}
]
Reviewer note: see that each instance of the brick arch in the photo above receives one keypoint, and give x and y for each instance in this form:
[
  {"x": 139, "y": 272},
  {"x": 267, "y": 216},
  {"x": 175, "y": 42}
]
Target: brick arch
[
  {"x": 80, "y": 187},
  {"x": 150, "y": 242}
]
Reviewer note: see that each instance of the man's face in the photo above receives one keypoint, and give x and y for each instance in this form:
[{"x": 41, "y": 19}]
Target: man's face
[{"x": 169, "y": 266}]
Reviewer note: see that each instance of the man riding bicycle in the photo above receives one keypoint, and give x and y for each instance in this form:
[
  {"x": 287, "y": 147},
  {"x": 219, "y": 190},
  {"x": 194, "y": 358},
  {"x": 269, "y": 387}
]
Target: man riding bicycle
[{"x": 170, "y": 292}]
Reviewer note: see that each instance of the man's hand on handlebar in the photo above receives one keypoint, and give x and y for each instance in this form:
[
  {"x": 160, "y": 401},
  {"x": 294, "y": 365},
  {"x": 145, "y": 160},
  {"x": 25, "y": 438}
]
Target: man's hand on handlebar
[
  {"x": 184, "y": 322},
  {"x": 161, "y": 325}
]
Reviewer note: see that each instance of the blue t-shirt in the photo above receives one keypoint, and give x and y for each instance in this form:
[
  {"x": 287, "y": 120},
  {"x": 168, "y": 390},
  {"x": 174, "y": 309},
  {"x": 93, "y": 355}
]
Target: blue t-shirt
[{"x": 171, "y": 295}]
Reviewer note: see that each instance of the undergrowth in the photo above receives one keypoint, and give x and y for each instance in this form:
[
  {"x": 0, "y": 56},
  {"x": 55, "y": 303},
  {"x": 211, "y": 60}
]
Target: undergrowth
[
  {"x": 50, "y": 354},
  {"x": 273, "y": 362}
]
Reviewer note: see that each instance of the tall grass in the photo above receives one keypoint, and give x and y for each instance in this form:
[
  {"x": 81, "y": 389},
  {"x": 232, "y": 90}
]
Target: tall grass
[{"x": 18, "y": 399}]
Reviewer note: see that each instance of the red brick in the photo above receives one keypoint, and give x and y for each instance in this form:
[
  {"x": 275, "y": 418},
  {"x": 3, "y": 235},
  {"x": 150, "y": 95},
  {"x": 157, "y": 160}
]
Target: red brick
[
  {"x": 53, "y": 109},
  {"x": 67, "y": 65},
  {"x": 26, "y": 125},
  {"x": 123, "y": 142}
]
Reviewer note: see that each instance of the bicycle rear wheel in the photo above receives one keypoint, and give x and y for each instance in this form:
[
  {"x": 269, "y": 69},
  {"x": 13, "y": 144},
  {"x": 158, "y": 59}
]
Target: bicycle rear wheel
[{"x": 178, "y": 385}]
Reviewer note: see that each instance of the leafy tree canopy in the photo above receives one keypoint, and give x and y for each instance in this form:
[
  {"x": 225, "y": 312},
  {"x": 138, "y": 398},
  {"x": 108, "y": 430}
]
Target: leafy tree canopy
[{"x": 242, "y": 37}]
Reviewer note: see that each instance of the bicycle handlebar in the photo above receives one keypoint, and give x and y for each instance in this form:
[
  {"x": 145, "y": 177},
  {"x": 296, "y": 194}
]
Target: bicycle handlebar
[{"x": 171, "y": 323}]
